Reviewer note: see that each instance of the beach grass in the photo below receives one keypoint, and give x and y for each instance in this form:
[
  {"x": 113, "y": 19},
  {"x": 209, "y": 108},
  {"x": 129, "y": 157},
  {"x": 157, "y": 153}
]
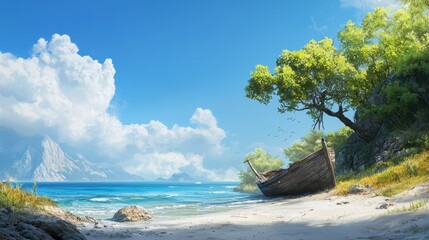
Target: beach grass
[
  {"x": 413, "y": 206},
  {"x": 20, "y": 200},
  {"x": 389, "y": 179}
]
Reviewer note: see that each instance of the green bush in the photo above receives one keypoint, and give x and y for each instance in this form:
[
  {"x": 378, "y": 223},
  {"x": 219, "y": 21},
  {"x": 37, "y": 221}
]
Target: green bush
[
  {"x": 262, "y": 162},
  {"x": 312, "y": 142},
  {"x": 336, "y": 139},
  {"x": 305, "y": 146}
]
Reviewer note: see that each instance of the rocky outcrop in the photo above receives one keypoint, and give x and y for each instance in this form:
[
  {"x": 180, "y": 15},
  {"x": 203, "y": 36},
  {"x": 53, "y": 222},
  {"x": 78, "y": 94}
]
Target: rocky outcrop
[
  {"x": 132, "y": 214},
  {"x": 57, "y": 212},
  {"x": 15, "y": 226},
  {"x": 386, "y": 144},
  {"x": 356, "y": 154}
]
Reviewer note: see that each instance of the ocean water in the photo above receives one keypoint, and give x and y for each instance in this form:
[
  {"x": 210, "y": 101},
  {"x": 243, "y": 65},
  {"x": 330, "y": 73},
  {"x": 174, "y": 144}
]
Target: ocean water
[{"x": 165, "y": 199}]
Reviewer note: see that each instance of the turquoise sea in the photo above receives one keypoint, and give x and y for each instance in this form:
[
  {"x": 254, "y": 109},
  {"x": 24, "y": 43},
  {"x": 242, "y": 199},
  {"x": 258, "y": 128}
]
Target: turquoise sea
[{"x": 164, "y": 199}]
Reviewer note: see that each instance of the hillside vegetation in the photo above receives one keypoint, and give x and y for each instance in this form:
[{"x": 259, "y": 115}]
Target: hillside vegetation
[
  {"x": 20, "y": 200},
  {"x": 387, "y": 178}
]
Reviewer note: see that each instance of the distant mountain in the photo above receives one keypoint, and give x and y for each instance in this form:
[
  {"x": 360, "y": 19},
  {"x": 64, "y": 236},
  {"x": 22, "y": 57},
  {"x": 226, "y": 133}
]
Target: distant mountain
[
  {"x": 178, "y": 177},
  {"x": 42, "y": 159}
]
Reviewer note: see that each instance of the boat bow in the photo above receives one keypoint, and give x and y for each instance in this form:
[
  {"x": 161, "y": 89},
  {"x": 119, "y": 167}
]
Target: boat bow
[{"x": 259, "y": 176}]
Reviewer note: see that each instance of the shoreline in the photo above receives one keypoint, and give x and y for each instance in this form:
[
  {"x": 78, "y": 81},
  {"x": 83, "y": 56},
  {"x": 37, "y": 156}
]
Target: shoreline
[{"x": 318, "y": 216}]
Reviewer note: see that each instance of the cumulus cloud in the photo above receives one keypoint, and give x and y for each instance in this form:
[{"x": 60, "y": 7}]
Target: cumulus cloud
[
  {"x": 165, "y": 164},
  {"x": 54, "y": 89},
  {"x": 58, "y": 92},
  {"x": 367, "y": 5}
]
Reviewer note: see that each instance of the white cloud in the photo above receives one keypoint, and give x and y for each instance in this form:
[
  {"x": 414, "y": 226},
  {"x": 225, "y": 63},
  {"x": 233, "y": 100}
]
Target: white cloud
[
  {"x": 316, "y": 27},
  {"x": 157, "y": 164},
  {"x": 54, "y": 89},
  {"x": 204, "y": 117},
  {"x": 367, "y": 5},
  {"x": 165, "y": 164},
  {"x": 65, "y": 95}
]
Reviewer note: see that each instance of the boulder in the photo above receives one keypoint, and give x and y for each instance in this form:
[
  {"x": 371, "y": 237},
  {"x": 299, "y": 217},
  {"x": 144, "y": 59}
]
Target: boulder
[
  {"x": 132, "y": 214},
  {"x": 358, "y": 189},
  {"x": 58, "y": 229},
  {"x": 35, "y": 226}
]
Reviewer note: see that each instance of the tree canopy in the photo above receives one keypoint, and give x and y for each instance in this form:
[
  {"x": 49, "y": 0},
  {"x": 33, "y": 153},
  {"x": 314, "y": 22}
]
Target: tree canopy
[{"x": 322, "y": 79}]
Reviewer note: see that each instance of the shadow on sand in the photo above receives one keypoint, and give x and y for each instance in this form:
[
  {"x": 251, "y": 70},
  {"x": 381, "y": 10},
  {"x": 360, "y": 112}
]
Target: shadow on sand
[{"x": 397, "y": 226}]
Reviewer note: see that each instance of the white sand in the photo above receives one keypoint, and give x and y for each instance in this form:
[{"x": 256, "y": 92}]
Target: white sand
[{"x": 319, "y": 216}]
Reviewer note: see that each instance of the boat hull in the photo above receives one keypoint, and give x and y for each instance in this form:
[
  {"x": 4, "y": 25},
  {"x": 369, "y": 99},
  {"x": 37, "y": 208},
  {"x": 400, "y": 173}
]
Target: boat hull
[{"x": 311, "y": 174}]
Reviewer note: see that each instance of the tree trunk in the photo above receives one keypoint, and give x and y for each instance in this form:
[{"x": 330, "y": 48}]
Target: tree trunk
[{"x": 364, "y": 135}]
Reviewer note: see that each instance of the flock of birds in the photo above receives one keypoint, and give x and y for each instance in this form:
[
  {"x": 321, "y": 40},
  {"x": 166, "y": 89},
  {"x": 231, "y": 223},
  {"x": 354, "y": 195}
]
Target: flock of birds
[{"x": 282, "y": 132}]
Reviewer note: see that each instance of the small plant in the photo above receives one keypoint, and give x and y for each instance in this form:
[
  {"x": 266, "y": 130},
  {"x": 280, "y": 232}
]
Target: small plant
[
  {"x": 413, "y": 206},
  {"x": 411, "y": 168},
  {"x": 34, "y": 187}
]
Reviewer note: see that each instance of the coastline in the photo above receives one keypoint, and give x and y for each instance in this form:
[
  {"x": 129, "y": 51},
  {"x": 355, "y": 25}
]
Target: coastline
[{"x": 318, "y": 216}]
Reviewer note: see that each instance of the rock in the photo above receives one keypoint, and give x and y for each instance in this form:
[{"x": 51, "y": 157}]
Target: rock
[
  {"x": 10, "y": 234},
  {"x": 59, "y": 229},
  {"x": 97, "y": 225},
  {"x": 29, "y": 231},
  {"x": 133, "y": 214},
  {"x": 384, "y": 206},
  {"x": 35, "y": 226},
  {"x": 58, "y": 212},
  {"x": 358, "y": 189}
]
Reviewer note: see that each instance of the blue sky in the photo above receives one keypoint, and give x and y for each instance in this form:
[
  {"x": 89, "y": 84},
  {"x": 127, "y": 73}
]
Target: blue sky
[{"x": 176, "y": 63}]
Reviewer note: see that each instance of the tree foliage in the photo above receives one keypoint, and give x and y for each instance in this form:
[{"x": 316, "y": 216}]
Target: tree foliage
[
  {"x": 336, "y": 139},
  {"x": 305, "y": 146},
  {"x": 323, "y": 80},
  {"x": 262, "y": 162},
  {"x": 378, "y": 46},
  {"x": 312, "y": 142}
]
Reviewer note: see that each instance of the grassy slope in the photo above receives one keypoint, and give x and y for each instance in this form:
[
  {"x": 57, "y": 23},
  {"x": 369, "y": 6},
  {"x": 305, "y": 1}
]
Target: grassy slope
[
  {"x": 20, "y": 200},
  {"x": 388, "y": 179}
]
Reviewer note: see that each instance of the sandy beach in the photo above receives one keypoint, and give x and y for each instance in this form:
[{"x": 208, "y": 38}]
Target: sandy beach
[{"x": 318, "y": 216}]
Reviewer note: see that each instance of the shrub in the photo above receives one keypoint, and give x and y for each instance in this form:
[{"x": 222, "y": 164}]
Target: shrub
[{"x": 262, "y": 162}]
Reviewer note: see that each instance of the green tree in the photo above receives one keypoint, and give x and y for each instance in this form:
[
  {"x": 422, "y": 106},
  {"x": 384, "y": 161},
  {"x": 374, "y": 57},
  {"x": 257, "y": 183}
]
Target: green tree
[
  {"x": 377, "y": 46},
  {"x": 336, "y": 139},
  {"x": 262, "y": 162},
  {"x": 322, "y": 80},
  {"x": 305, "y": 146},
  {"x": 315, "y": 79},
  {"x": 312, "y": 142}
]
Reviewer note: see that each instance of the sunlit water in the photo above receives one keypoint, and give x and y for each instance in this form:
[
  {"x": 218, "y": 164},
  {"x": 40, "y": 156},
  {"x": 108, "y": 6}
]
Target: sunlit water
[{"x": 164, "y": 199}]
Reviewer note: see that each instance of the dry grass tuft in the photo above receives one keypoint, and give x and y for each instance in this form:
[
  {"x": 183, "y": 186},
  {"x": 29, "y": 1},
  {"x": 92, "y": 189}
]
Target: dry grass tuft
[{"x": 19, "y": 200}]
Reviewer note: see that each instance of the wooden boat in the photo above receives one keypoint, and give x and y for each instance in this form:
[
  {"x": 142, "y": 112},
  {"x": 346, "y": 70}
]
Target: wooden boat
[{"x": 313, "y": 173}]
